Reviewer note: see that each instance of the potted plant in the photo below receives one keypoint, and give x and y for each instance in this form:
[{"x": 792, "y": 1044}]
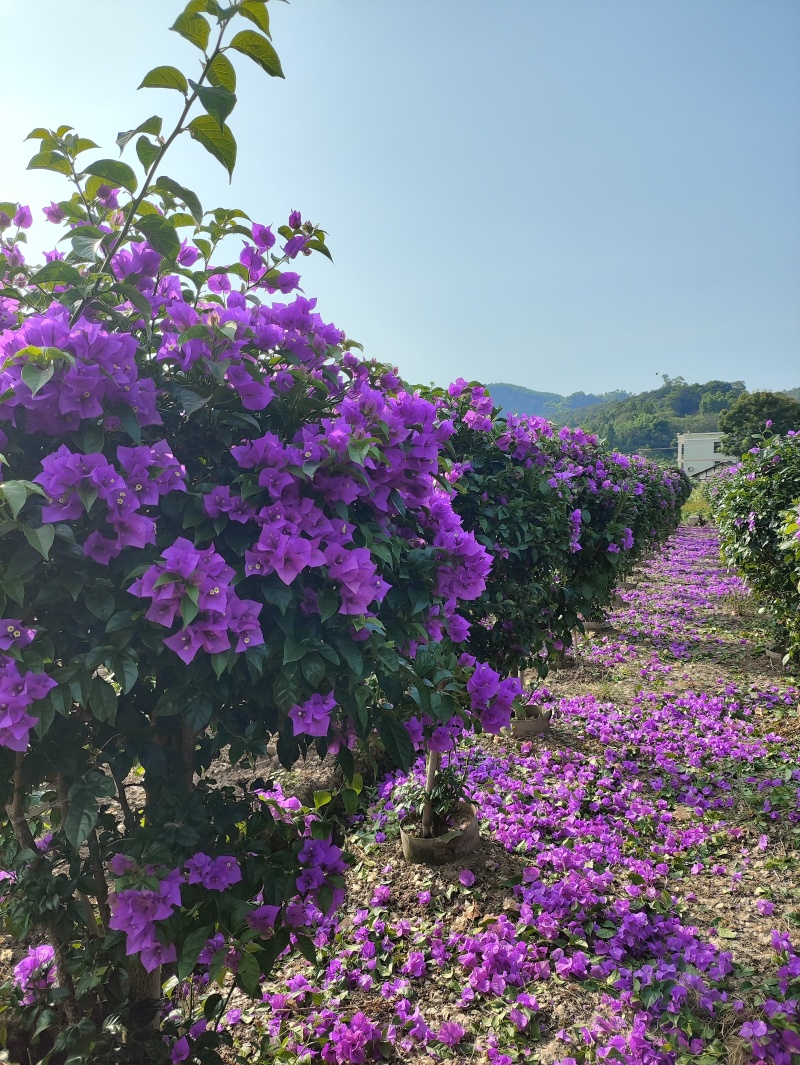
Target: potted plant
[
  {"x": 531, "y": 720},
  {"x": 441, "y": 824}
]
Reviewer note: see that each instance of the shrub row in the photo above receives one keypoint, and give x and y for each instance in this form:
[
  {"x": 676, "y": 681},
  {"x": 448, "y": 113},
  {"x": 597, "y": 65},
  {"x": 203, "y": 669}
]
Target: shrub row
[
  {"x": 755, "y": 507},
  {"x": 218, "y": 524}
]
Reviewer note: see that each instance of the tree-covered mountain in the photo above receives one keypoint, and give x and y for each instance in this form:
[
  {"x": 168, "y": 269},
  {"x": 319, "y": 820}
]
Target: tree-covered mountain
[
  {"x": 518, "y": 400},
  {"x": 647, "y": 422}
]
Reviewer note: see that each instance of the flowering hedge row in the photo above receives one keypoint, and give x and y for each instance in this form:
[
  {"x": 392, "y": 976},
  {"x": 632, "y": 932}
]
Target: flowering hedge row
[
  {"x": 218, "y": 524},
  {"x": 564, "y": 518},
  {"x": 755, "y": 506}
]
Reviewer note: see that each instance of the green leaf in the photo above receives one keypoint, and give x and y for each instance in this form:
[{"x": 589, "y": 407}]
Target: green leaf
[
  {"x": 219, "y": 663},
  {"x": 86, "y": 244},
  {"x": 189, "y": 610},
  {"x": 15, "y": 494},
  {"x": 217, "y": 101},
  {"x": 256, "y": 11},
  {"x": 350, "y": 798},
  {"x": 41, "y": 539},
  {"x": 160, "y": 234},
  {"x": 82, "y": 144},
  {"x": 99, "y": 601},
  {"x": 248, "y": 973},
  {"x": 130, "y": 423},
  {"x": 396, "y": 740},
  {"x": 328, "y": 601},
  {"x": 57, "y": 272},
  {"x": 351, "y": 654},
  {"x": 221, "y": 72},
  {"x": 293, "y": 650},
  {"x": 36, "y": 376},
  {"x": 190, "y": 952},
  {"x": 185, "y": 195},
  {"x": 313, "y": 668},
  {"x": 199, "y": 712},
  {"x": 82, "y": 816},
  {"x": 51, "y": 161},
  {"x": 131, "y": 294},
  {"x": 150, "y": 125},
  {"x": 219, "y": 142},
  {"x": 192, "y": 400},
  {"x": 103, "y": 700},
  {"x": 321, "y": 798},
  {"x": 307, "y": 948},
  {"x": 146, "y": 153},
  {"x": 73, "y": 580},
  {"x": 259, "y": 50},
  {"x": 114, "y": 172},
  {"x": 193, "y": 28},
  {"x": 165, "y": 78},
  {"x": 126, "y": 671},
  {"x": 181, "y": 218}
]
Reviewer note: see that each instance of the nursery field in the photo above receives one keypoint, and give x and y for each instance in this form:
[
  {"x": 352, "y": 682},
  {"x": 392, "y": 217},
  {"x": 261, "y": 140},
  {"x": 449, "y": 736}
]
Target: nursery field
[
  {"x": 637, "y": 886},
  {"x": 269, "y": 617}
]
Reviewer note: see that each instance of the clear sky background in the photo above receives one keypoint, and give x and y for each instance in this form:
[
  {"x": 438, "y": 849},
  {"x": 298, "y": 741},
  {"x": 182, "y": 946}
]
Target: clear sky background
[{"x": 563, "y": 194}]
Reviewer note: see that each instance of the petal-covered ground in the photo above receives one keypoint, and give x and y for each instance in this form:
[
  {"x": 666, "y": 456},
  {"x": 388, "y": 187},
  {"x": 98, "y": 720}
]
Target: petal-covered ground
[{"x": 636, "y": 896}]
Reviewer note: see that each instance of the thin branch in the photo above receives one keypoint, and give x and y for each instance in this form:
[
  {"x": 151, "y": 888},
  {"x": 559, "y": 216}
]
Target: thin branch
[
  {"x": 134, "y": 205},
  {"x": 24, "y": 836},
  {"x": 100, "y": 879},
  {"x": 128, "y": 817},
  {"x": 16, "y": 808}
]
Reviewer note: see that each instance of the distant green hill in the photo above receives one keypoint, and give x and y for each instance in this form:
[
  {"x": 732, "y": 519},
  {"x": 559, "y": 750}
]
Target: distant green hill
[
  {"x": 647, "y": 422},
  {"x": 514, "y": 399}
]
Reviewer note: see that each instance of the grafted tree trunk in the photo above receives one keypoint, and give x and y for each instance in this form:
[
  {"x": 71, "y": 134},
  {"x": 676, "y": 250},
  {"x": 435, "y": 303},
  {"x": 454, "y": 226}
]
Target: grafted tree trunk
[
  {"x": 24, "y": 836},
  {"x": 432, "y": 766}
]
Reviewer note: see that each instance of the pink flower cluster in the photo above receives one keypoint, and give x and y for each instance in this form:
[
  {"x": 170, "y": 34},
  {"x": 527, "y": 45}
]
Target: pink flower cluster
[
  {"x": 94, "y": 375},
  {"x": 35, "y": 973},
  {"x": 73, "y": 481},
  {"x": 136, "y": 911},
  {"x": 313, "y": 717},
  {"x": 18, "y": 690},
  {"x": 196, "y": 586},
  {"x": 492, "y": 698}
]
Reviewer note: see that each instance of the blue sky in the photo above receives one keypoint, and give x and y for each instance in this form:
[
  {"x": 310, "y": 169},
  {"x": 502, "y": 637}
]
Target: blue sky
[{"x": 563, "y": 194}]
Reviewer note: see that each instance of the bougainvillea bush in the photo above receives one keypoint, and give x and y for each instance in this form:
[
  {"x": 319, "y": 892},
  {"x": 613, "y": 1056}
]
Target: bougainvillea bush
[
  {"x": 217, "y": 524},
  {"x": 564, "y": 518},
  {"x": 750, "y": 504}
]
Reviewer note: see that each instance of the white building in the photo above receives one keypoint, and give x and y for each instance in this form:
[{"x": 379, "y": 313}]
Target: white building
[{"x": 700, "y": 454}]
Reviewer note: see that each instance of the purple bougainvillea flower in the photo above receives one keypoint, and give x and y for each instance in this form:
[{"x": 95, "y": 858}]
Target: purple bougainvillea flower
[
  {"x": 35, "y": 973},
  {"x": 23, "y": 218},
  {"x": 263, "y": 237},
  {"x": 450, "y": 1033},
  {"x": 54, "y": 213},
  {"x": 440, "y": 740},
  {"x": 180, "y": 1051},
  {"x": 313, "y": 717}
]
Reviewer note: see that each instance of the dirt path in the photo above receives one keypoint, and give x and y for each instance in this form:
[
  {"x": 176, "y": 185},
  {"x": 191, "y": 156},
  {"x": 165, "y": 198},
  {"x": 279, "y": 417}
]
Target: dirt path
[{"x": 636, "y": 881}]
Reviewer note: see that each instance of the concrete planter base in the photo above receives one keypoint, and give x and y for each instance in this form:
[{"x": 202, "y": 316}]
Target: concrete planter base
[
  {"x": 523, "y": 728},
  {"x": 450, "y": 847}
]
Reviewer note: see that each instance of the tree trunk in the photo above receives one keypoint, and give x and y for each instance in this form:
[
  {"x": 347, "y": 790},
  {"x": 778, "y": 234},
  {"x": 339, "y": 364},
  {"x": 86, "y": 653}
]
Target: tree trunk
[
  {"x": 145, "y": 996},
  {"x": 24, "y": 836},
  {"x": 432, "y": 767}
]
